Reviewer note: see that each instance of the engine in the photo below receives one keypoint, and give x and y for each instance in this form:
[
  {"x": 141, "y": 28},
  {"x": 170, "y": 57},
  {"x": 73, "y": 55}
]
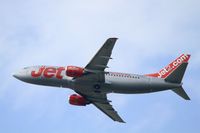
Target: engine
[
  {"x": 73, "y": 71},
  {"x": 77, "y": 100}
]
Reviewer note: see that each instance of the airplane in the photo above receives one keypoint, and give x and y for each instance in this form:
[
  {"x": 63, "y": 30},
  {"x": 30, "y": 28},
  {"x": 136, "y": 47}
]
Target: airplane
[{"x": 92, "y": 83}]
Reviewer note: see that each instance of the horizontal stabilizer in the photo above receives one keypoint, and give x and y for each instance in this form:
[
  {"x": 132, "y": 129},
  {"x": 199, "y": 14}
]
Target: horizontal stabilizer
[{"x": 180, "y": 91}]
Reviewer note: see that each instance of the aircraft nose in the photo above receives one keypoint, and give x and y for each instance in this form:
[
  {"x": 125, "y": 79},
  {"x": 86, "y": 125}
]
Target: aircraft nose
[
  {"x": 17, "y": 76},
  {"x": 21, "y": 75}
]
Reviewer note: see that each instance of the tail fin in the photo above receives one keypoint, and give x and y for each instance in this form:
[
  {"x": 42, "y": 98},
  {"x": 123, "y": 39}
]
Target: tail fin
[
  {"x": 174, "y": 73},
  {"x": 172, "y": 67}
]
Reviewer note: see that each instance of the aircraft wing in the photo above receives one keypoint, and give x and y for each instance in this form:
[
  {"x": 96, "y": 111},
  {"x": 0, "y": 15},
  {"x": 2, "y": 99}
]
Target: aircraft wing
[
  {"x": 100, "y": 60},
  {"x": 101, "y": 102},
  {"x": 98, "y": 64},
  {"x": 108, "y": 110}
]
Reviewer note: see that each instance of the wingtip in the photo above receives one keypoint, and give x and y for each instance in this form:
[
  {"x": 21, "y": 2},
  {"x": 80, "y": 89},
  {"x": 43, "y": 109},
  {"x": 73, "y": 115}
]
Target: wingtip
[
  {"x": 113, "y": 38},
  {"x": 123, "y": 122},
  {"x": 187, "y": 98},
  {"x": 120, "y": 121}
]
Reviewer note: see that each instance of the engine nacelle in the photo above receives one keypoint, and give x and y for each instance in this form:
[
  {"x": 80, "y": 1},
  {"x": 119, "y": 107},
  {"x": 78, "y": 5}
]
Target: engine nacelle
[
  {"x": 73, "y": 71},
  {"x": 77, "y": 100}
]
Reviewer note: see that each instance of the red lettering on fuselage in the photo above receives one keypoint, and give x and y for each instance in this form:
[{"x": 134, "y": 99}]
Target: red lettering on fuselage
[
  {"x": 48, "y": 72},
  {"x": 58, "y": 74},
  {"x": 37, "y": 74}
]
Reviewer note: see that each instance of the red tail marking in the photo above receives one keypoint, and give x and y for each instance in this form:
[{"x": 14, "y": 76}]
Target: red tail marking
[{"x": 163, "y": 73}]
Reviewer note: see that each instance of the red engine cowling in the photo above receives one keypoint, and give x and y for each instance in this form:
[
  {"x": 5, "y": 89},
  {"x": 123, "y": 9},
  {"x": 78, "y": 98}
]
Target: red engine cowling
[
  {"x": 77, "y": 100},
  {"x": 73, "y": 71}
]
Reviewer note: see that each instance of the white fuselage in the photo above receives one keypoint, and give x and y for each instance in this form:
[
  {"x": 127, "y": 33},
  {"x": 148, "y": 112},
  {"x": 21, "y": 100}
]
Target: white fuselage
[{"x": 112, "y": 82}]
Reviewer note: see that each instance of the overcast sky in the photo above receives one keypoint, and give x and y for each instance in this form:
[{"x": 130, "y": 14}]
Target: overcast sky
[{"x": 69, "y": 32}]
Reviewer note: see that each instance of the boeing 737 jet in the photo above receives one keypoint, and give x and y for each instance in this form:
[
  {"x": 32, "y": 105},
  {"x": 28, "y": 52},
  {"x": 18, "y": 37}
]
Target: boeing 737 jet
[{"x": 92, "y": 83}]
